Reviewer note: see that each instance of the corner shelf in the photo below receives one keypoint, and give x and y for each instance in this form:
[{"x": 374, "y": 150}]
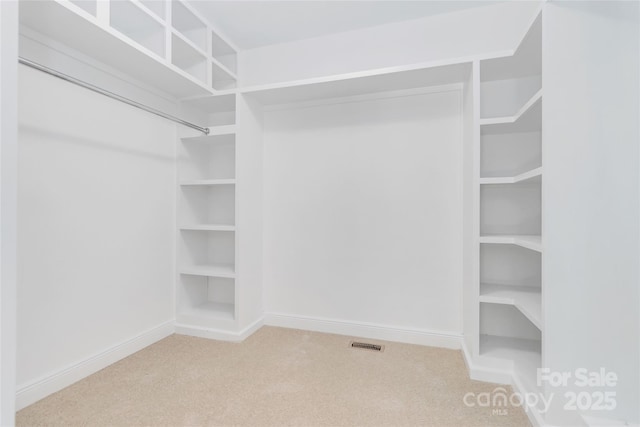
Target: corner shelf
[
  {"x": 525, "y": 355},
  {"x": 533, "y": 243},
  {"x": 531, "y": 175},
  {"x": 528, "y": 118},
  {"x": 525, "y": 298}
]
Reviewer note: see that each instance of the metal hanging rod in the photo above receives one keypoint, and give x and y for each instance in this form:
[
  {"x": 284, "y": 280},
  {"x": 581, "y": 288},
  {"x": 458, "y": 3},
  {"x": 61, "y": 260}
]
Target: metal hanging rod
[{"x": 105, "y": 92}]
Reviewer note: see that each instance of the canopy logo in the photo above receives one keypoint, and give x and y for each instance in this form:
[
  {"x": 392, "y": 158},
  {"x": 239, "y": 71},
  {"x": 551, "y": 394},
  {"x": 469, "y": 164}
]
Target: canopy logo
[{"x": 593, "y": 392}]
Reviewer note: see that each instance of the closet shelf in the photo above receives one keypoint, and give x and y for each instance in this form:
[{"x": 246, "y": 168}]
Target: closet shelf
[
  {"x": 209, "y": 182},
  {"x": 218, "y": 270},
  {"x": 525, "y": 298},
  {"x": 188, "y": 42},
  {"x": 524, "y": 354},
  {"x": 211, "y": 309},
  {"x": 217, "y": 135},
  {"x": 533, "y": 243},
  {"x": 224, "y": 68},
  {"x": 60, "y": 21},
  {"x": 208, "y": 227},
  {"x": 523, "y": 177},
  {"x": 528, "y": 119},
  {"x": 361, "y": 83}
]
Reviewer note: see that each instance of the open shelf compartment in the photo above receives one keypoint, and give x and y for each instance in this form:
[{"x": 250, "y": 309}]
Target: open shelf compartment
[
  {"x": 188, "y": 59},
  {"x": 210, "y": 157},
  {"x": 207, "y": 204},
  {"x": 222, "y": 52},
  {"x": 507, "y": 209},
  {"x": 221, "y": 77},
  {"x": 512, "y": 275},
  {"x": 130, "y": 20},
  {"x": 507, "y": 83},
  {"x": 89, "y": 6},
  {"x": 157, "y": 7},
  {"x": 507, "y": 335},
  {"x": 188, "y": 24},
  {"x": 206, "y": 298},
  {"x": 209, "y": 253}
]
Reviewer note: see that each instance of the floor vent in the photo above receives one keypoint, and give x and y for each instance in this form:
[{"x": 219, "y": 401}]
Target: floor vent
[{"x": 367, "y": 346}]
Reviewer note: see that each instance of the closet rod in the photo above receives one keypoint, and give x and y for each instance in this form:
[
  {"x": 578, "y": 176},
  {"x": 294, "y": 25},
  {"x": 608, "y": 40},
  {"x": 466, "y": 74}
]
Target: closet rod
[{"x": 105, "y": 92}]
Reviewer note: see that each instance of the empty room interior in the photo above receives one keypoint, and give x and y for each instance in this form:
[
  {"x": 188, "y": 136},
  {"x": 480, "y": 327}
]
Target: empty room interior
[{"x": 319, "y": 213}]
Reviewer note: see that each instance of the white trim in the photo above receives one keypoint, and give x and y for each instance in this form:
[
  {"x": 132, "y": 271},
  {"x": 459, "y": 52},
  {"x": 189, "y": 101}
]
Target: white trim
[
  {"x": 451, "y": 87},
  {"x": 482, "y": 373},
  {"x": 373, "y": 72},
  {"x": 500, "y": 376},
  {"x": 57, "y": 380},
  {"x": 430, "y": 338},
  {"x": 219, "y": 334}
]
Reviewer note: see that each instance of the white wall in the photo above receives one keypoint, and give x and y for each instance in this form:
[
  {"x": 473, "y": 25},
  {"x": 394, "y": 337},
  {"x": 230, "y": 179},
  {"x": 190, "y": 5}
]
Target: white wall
[
  {"x": 96, "y": 249},
  {"x": 8, "y": 210},
  {"x": 363, "y": 212},
  {"x": 592, "y": 198},
  {"x": 473, "y": 32}
]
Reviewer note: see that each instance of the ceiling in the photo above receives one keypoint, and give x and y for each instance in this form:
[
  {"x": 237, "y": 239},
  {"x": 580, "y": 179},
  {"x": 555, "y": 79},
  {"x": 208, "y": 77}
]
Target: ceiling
[{"x": 253, "y": 23}]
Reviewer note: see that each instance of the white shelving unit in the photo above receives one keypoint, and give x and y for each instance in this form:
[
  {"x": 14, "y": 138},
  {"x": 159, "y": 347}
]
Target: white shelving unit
[
  {"x": 207, "y": 288},
  {"x": 509, "y": 282},
  {"x": 166, "y": 44}
]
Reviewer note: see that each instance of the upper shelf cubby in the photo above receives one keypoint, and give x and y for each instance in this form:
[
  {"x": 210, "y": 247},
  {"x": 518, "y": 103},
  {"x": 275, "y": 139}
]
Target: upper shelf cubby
[
  {"x": 506, "y": 83},
  {"x": 157, "y": 7},
  {"x": 89, "y": 6},
  {"x": 188, "y": 24},
  {"x": 128, "y": 18},
  {"x": 222, "y": 52},
  {"x": 161, "y": 43},
  {"x": 188, "y": 58}
]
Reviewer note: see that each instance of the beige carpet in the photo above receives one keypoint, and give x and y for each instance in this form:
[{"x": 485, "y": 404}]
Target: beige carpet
[{"x": 276, "y": 377}]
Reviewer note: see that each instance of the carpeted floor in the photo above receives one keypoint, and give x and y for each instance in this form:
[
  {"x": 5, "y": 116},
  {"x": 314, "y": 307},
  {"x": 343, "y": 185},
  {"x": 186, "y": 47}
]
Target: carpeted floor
[{"x": 276, "y": 377}]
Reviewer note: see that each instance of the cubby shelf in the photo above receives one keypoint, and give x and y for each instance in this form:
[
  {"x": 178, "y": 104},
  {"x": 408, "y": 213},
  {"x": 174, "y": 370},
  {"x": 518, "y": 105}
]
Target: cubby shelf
[
  {"x": 142, "y": 56},
  {"x": 525, "y": 355},
  {"x": 527, "y": 119},
  {"x": 216, "y": 270},
  {"x": 217, "y": 134},
  {"x": 209, "y": 182},
  {"x": 208, "y": 227},
  {"x": 211, "y": 309},
  {"x": 528, "y": 176},
  {"x": 527, "y": 299},
  {"x": 533, "y": 243}
]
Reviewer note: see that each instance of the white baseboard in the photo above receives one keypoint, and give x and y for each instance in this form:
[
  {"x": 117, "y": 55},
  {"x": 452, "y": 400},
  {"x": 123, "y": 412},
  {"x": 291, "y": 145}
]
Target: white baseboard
[
  {"x": 484, "y": 373},
  {"x": 366, "y": 330},
  {"x": 218, "y": 334},
  {"x": 55, "y": 381}
]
